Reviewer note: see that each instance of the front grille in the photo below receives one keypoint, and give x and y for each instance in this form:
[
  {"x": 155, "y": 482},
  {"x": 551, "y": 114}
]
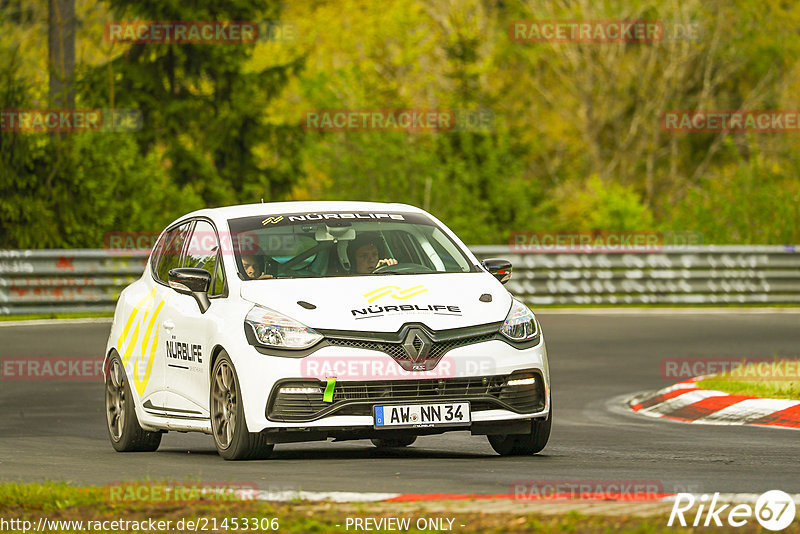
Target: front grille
[
  {"x": 358, "y": 397},
  {"x": 396, "y": 350},
  {"x": 440, "y": 348}
]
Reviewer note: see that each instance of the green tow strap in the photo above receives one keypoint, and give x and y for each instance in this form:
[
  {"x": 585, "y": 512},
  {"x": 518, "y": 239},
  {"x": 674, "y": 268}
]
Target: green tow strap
[{"x": 328, "y": 396}]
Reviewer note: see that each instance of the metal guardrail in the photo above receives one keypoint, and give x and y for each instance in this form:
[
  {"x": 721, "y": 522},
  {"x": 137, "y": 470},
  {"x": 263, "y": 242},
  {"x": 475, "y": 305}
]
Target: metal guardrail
[
  {"x": 53, "y": 281},
  {"x": 675, "y": 275},
  {"x": 65, "y": 281}
]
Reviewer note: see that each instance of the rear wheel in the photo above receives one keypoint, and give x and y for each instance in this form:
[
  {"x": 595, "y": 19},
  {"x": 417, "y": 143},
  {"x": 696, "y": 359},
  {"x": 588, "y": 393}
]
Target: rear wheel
[
  {"x": 383, "y": 443},
  {"x": 231, "y": 436},
  {"x": 123, "y": 427},
  {"x": 523, "y": 444}
]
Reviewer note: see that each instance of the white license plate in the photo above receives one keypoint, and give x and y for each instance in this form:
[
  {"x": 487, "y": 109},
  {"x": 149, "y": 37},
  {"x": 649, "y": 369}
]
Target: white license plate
[{"x": 421, "y": 415}]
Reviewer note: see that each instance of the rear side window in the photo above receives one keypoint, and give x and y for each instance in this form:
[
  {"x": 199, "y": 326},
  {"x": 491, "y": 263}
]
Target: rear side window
[{"x": 169, "y": 252}]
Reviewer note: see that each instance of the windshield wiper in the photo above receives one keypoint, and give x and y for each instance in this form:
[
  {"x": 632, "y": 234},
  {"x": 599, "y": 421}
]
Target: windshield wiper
[{"x": 390, "y": 271}]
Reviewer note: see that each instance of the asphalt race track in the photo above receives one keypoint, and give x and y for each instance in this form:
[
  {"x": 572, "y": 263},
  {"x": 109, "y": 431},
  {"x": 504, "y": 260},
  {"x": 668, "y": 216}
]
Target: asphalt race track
[{"x": 55, "y": 430}]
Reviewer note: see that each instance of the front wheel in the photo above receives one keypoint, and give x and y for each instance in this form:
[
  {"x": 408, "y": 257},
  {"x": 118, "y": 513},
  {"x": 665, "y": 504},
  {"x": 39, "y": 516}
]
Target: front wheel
[
  {"x": 123, "y": 427},
  {"x": 523, "y": 444},
  {"x": 231, "y": 436}
]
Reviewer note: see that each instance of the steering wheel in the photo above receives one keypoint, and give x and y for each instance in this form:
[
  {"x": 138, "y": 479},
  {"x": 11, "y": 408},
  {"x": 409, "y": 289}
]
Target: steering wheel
[{"x": 403, "y": 268}]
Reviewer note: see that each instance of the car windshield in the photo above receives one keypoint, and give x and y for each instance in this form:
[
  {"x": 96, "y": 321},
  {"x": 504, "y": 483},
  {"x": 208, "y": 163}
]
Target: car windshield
[{"x": 317, "y": 245}]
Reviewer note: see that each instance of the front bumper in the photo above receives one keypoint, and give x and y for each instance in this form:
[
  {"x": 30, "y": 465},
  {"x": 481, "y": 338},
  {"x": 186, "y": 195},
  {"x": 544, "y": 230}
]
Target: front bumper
[
  {"x": 358, "y": 397},
  {"x": 344, "y": 433},
  {"x": 478, "y": 373}
]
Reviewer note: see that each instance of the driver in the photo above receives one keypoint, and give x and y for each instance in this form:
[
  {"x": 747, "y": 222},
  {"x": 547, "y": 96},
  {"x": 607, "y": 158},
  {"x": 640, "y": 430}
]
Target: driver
[
  {"x": 253, "y": 260},
  {"x": 364, "y": 254},
  {"x": 253, "y": 265}
]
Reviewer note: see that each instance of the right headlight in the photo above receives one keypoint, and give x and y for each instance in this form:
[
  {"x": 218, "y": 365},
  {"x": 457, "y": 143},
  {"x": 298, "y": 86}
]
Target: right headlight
[
  {"x": 275, "y": 330},
  {"x": 520, "y": 323}
]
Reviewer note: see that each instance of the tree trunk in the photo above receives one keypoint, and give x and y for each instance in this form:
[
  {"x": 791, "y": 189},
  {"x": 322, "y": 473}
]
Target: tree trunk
[{"x": 61, "y": 45}]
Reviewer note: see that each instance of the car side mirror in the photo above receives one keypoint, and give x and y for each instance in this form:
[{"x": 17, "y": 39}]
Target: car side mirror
[
  {"x": 499, "y": 268},
  {"x": 194, "y": 282}
]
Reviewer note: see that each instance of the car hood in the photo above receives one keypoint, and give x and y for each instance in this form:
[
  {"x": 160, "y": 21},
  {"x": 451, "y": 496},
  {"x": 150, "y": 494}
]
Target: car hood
[{"x": 385, "y": 303}]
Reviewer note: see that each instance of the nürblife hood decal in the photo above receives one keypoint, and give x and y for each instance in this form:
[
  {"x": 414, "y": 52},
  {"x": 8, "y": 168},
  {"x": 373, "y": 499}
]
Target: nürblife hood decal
[
  {"x": 397, "y": 293},
  {"x": 385, "y": 303}
]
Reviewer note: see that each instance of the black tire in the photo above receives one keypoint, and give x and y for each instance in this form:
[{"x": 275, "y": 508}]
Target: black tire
[
  {"x": 228, "y": 426},
  {"x": 382, "y": 443},
  {"x": 124, "y": 431},
  {"x": 523, "y": 444},
  {"x": 503, "y": 444}
]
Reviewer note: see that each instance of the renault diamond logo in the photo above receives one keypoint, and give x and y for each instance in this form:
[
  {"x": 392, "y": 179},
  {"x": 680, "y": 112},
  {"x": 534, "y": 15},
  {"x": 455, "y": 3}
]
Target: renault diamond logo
[{"x": 417, "y": 345}]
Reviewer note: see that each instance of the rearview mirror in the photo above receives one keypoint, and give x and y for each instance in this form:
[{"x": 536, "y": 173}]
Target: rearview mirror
[
  {"x": 335, "y": 231},
  {"x": 194, "y": 282},
  {"x": 499, "y": 268}
]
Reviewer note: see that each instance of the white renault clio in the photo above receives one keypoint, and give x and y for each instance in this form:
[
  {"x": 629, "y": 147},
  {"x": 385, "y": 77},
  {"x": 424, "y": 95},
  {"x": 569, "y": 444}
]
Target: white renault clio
[{"x": 300, "y": 321}]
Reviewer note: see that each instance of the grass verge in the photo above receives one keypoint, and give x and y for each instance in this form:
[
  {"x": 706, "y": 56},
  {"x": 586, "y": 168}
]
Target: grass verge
[
  {"x": 63, "y": 502},
  {"x": 778, "y": 379}
]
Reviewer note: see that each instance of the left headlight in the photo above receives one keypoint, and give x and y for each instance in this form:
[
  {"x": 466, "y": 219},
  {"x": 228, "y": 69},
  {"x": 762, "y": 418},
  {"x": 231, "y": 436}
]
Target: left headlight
[
  {"x": 273, "y": 329},
  {"x": 520, "y": 323}
]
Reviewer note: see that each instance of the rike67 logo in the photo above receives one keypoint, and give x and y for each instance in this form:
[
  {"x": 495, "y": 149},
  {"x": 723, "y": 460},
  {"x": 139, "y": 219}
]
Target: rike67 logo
[{"x": 774, "y": 510}]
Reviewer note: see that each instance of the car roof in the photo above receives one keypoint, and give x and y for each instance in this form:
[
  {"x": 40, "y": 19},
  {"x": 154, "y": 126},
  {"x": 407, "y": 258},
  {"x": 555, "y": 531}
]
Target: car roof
[{"x": 278, "y": 208}]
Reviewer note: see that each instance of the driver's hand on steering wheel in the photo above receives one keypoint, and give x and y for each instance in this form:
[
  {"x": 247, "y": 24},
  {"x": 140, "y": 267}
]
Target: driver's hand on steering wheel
[{"x": 386, "y": 261}]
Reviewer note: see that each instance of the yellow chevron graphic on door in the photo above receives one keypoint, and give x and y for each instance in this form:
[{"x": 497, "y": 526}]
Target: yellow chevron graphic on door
[{"x": 138, "y": 319}]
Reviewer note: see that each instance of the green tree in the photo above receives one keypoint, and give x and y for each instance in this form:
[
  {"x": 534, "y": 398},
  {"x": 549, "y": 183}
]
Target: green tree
[
  {"x": 71, "y": 192},
  {"x": 201, "y": 104},
  {"x": 753, "y": 202}
]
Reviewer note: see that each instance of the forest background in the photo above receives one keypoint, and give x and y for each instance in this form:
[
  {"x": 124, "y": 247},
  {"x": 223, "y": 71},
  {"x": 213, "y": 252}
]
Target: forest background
[{"x": 575, "y": 141}]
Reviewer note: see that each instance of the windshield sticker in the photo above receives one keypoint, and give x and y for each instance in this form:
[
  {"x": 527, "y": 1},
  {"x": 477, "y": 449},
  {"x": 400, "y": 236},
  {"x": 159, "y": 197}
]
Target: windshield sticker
[
  {"x": 326, "y": 216},
  {"x": 333, "y": 218}
]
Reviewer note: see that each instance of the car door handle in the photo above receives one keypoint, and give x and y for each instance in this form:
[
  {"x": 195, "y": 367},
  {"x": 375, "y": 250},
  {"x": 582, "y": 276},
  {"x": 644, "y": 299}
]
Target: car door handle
[{"x": 169, "y": 325}]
